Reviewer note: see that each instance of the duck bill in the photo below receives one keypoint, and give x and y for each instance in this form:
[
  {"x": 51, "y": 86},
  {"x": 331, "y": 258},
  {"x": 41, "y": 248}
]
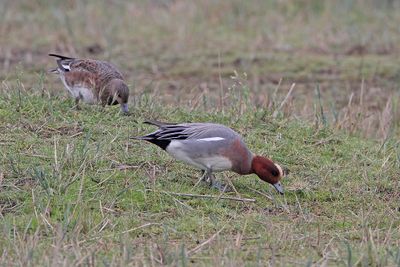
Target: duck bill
[
  {"x": 278, "y": 186},
  {"x": 124, "y": 108}
]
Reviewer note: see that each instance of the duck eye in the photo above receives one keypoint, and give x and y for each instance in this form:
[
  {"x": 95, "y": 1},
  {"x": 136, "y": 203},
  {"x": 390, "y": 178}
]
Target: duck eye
[{"x": 274, "y": 173}]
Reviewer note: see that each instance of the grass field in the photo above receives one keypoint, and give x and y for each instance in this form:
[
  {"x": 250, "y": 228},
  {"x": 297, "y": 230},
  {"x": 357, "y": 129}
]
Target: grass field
[{"x": 312, "y": 84}]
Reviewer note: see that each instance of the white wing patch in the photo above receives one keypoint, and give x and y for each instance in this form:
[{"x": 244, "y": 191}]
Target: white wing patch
[
  {"x": 66, "y": 66},
  {"x": 210, "y": 139}
]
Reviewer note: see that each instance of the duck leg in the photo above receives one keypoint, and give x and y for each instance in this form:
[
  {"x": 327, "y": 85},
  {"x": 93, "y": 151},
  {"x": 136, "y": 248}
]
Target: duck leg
[
  {"x": 77, "y": 103},
  {"x": 77, "y": 99},
  {"x": 204, "y": 177},
  {"x": 209, "y": 178},
  {"x": 222, "y": 187}
]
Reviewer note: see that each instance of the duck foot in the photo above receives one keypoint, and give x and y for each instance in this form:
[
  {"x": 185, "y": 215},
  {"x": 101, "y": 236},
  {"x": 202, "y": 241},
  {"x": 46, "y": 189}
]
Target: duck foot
[
  {"x": 203, "y": 178},
  {"x": 209, "y": 179},
  {"x": 77, "y": 107},
  {"x": 220, "y": 186}
]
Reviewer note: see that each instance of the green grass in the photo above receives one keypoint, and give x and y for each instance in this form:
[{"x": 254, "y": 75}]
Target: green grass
[
  {"x": 65, "y": 199},
  {"x": 185, "y": 49}
]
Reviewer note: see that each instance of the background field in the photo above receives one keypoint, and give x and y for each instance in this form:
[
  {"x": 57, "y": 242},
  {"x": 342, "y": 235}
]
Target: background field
[{"x": 75, "y": 190}]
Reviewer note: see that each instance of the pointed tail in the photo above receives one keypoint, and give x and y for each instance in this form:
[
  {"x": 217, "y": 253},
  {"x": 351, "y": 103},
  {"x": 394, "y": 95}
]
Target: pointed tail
[{"x": 60, "y": 56}]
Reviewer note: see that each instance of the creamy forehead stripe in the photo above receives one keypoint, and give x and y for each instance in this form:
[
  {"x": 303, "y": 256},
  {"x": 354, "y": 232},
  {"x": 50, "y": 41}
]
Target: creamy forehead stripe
[
  {"x": 280, "y": 169},
  {"x": 209, "y": 139}
]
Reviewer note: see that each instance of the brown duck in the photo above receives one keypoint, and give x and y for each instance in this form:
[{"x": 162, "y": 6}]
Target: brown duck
[{"x": 92, "y": 81}]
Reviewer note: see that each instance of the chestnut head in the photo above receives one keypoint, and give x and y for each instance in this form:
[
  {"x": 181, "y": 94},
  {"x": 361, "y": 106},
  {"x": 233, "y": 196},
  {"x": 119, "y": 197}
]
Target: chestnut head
[{"x": 268, "y": 171}]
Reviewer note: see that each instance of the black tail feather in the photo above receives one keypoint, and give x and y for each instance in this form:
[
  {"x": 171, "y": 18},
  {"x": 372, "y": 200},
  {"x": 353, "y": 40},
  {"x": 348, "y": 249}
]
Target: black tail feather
[
  {"x": 62, "y": 61},
  {"x": 150, "y": 138},
  {"x": 60, "y": 56},
  {"x": 154, "y": 137}
]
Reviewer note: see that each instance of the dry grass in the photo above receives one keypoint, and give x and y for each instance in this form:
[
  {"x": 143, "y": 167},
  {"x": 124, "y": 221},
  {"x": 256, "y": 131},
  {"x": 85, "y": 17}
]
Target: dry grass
[
  {"x": 311, "y": 79},
  {"x": 95, "y": 198}
]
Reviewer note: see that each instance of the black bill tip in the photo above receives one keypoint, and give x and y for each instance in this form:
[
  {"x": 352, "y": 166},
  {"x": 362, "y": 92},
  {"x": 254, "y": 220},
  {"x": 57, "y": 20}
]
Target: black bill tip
[{"x": 278, "y": 186}]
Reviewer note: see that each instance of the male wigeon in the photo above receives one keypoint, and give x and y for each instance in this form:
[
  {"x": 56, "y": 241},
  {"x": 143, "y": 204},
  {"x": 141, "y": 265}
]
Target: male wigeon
[
  {"x": 212, "y": 148},
  {"x": 92, "y": 81}
]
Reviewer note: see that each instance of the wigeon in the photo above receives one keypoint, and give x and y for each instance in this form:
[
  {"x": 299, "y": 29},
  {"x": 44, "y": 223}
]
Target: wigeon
[
  {"x": 212, "y": 148},
  {"x": 92, "y": 81}
]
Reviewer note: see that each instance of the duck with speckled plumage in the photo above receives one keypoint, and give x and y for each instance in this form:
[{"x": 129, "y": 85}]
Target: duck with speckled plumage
[{"x": 92, "y": 81}]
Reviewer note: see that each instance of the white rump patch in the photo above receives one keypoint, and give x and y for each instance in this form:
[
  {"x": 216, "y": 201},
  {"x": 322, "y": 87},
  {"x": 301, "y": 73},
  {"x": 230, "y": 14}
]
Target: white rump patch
[{"x": 210, "y": 139}]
